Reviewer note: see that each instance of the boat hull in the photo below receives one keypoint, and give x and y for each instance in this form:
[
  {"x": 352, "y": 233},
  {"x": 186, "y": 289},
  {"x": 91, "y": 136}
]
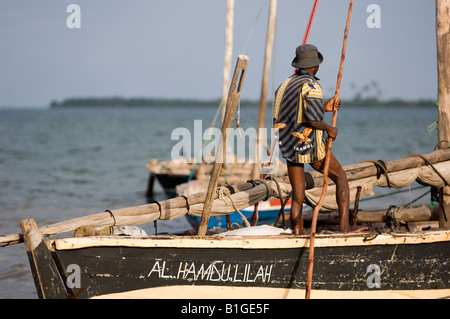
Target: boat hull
[
  {"x": 350, "y": 266},
  {"x": 169, "y": 182}
]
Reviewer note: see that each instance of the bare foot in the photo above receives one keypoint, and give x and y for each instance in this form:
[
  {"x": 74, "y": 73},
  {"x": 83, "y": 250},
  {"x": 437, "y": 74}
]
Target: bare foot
[
  {"x": 354, "y": 229},
  {"x": 297, "y": 231}
]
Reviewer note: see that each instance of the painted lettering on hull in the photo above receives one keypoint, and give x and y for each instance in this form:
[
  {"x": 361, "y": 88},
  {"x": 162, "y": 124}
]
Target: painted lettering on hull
[{"x": 211, "y": 271}]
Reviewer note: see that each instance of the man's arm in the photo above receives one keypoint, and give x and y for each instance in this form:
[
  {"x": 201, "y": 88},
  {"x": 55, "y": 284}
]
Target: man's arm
[{"x": 320, "y": 125}]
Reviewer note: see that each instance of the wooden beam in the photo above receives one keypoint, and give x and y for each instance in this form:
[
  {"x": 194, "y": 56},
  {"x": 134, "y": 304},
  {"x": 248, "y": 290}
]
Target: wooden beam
[
  {"x": 48, "y": 282},
  {"x": 232, "y": 102},
  {"x": 415, "y": 214},
  {"x": 443, "y": 66},
  {"x": 366, "y": 169}
]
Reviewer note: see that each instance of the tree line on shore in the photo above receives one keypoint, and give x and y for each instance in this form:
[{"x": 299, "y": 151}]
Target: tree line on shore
[{"x": 158, "y": 102}]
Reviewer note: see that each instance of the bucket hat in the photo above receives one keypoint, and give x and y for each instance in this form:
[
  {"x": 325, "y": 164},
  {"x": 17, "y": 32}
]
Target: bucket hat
[{"x": 306, "y": 56}]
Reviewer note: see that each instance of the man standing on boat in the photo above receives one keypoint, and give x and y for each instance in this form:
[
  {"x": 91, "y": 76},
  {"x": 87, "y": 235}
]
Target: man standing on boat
[{"x": 302, "y": 134}]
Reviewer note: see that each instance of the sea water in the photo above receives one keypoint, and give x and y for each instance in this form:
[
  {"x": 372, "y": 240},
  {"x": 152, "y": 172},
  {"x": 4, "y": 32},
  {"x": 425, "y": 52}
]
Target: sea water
[{"x": 59, "y": 164}]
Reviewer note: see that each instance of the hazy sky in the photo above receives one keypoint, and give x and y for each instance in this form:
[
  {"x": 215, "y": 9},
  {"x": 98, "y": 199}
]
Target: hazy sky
[{"x": 175, "y": 48}]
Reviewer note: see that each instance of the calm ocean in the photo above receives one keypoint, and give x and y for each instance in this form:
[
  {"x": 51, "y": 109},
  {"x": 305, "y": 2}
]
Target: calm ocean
[{"x": 58, "y": 164}]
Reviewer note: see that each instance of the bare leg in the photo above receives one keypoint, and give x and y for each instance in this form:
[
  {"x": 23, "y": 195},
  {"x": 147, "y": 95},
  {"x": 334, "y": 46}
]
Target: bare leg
[
  {"x": 337, "y": 174},
  {"x": 297, "y": 179}
]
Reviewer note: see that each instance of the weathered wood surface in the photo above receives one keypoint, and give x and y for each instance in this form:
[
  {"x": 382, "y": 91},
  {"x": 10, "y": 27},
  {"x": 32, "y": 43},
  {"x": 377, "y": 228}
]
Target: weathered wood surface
[
  {"x": 414, "y": 214},
  {"x": 45, "y": 272},
  {"x": 443, "y": 58},
  {"x": 232, "y": 102}
]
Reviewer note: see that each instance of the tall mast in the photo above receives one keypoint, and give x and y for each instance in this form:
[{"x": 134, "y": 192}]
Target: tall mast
[
  {"x": 228, "y": 54},
  {"x": 265, "y": 82},
  {"x": 443, "y": 66}
]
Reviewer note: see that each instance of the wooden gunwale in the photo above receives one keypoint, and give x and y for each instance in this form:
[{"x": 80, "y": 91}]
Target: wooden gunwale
[{"x": 254, "y": 242}]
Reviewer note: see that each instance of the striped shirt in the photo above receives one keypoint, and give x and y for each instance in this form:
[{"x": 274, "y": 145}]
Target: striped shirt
[{"x": 299, "y": 100}]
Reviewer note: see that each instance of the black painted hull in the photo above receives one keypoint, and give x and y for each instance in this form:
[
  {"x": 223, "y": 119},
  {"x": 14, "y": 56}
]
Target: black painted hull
[
  {"x": 170, "y": 181},
  {"x": 185, "y": 267}
]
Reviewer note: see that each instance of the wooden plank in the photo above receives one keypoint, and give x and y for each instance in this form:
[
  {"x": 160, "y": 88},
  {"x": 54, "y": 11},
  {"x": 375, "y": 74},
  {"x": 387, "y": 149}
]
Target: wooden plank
[
  {"x": 421, "y": 226},
  {"x": 47, "y": 279},
  {"x": 254, "y": 242},
  {"x": 443, "y": 56},
  {"x": 232, "y": 102}
]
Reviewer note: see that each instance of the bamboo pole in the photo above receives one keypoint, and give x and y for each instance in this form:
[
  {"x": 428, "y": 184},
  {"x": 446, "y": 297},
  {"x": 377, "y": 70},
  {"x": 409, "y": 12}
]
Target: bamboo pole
[
  {"x": 327, "y": 162},
  {"x": 233, "y": 100},
  {"x": 134, "y": 215},
  {"x": 271, "y": 26},
  {"x": 443, "y": 66}
]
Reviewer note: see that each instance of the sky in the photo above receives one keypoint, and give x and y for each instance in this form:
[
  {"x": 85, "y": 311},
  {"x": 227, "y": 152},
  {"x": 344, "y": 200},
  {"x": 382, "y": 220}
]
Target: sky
[{"x": 176, "y": 48}]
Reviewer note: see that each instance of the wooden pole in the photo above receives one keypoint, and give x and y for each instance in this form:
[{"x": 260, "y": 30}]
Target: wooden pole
[
  {"x": 327, "y": 163},
  {"x": 310, "y": 22},
  {"x": 233, "y": 100},
  {"x": 228, "y": 54},
  {"x": 271, "y": 26},
  {"x": 45, "y": 272},
  {"x": 443, "y": 66}
]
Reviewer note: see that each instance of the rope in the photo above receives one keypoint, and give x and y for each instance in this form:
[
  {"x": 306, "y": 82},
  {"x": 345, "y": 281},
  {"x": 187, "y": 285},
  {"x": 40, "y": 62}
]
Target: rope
[
  {"x": 268, "y": 188},
  {"x": 391, "y": 193},
  {"x": 155, "y": 222},
  {"x": 253, "y": 26},
  {"x": 112, "y": 215},
  {"x": 224, "y": 191},
  {"x": 381, "y": 167},
  {"x": 188, "y": 207},
  {"x": 282, "y": 204},
  {"x": 392, "y": 217},
  {"x": 415, "y": 200}
]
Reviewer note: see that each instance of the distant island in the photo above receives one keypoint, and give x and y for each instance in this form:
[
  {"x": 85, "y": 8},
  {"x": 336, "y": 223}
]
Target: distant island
[
  {"x": 152, "y": 102},
  {"x": 365, "y": 95},
  {"x": 135, "y": 102}
]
